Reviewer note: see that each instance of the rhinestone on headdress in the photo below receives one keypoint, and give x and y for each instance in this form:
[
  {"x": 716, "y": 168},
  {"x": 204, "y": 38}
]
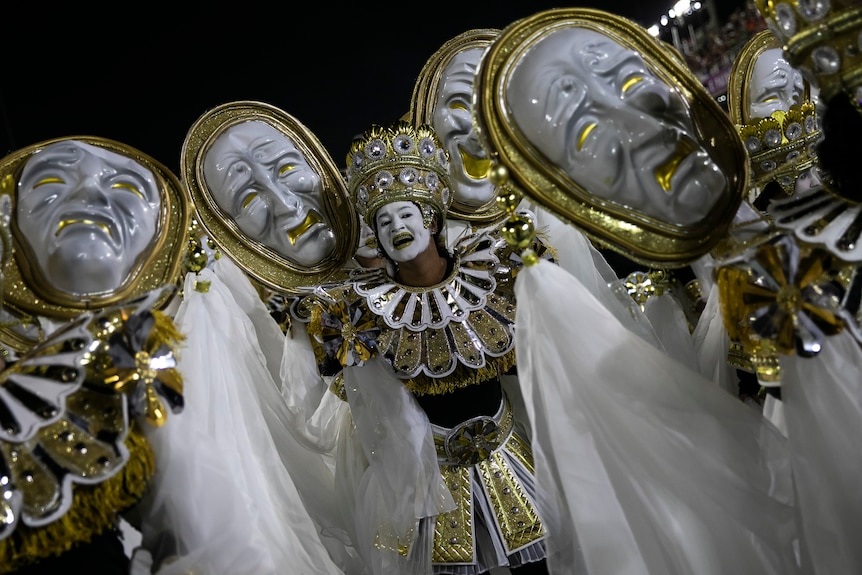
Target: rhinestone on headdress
[
  {"x": 398, "y": 163},
  {"x": 782, "y": 146}
]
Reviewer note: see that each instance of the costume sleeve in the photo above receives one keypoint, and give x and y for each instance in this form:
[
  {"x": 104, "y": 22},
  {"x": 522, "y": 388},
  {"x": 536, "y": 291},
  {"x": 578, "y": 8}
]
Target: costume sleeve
[
  {"x": 224, "y": 491},
  {"x": 402, "y": 482}
]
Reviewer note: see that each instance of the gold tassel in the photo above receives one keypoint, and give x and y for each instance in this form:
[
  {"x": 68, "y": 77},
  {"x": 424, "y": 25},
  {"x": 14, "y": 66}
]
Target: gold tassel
[
  {"x": 165, "y": 330},
  {"x": 94, "y": 509}
]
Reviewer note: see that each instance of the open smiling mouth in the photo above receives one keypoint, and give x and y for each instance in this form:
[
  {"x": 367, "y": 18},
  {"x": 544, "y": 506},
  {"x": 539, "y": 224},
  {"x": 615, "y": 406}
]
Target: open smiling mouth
[
  {"x": 312, "y": 218},
  {"x": 476, "y": 168},
  {"x": 64, "y": 223},
  {"x": 664, "y": 172},
  {"x": 402, "y": 240}
]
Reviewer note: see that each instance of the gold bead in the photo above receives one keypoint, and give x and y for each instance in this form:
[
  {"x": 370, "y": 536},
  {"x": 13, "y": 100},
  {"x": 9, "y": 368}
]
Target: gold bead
[
  {"x": 197, "y": 260},
  {"x": 507, "y": 200},
  {"x": 529, "y": 257},
  {"x": 518, "y": 231},
  {"x": 498, "y": 174}
]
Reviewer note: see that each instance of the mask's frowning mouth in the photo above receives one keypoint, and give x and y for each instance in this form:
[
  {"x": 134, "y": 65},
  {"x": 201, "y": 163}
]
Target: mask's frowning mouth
[
  {"x": 104, "y": 227},
  {"x": 311, "y": 218},
  {"x": 476, "y": 168},
  {"x": 665, "y": 172}
]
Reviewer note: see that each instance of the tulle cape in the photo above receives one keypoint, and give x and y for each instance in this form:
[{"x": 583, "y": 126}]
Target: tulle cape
[
  {"x": 646, "y": 466},
  {"x": 226, "y": 499}
]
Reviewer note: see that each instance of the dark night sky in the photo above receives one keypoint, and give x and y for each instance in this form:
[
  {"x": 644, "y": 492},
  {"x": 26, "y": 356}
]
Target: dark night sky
[{"x": 142, "y": 74}]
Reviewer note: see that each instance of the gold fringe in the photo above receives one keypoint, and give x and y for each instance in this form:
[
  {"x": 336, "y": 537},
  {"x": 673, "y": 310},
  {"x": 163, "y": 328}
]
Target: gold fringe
[
  {"x": 462, "y": 376},
  {"x": 94, "y": 509},
  {"x": 165, "y": 330}
]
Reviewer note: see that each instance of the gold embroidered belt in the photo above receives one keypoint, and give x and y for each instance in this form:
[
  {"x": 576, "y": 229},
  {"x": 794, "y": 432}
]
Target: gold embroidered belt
[{"x": 484, "y": 446}]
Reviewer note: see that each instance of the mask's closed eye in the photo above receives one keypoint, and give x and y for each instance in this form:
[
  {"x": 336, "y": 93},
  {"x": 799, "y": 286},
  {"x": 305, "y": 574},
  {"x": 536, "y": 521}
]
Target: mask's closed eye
[
  {"x": 49, "y": 180},
  {"x": 248, "y": 199},
  {"x": 129, "y": 187}
]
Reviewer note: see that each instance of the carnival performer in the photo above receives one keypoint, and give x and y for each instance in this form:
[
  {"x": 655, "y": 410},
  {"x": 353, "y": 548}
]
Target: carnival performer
[
  {"x": 237, "y": 492},
  {"x": 589, "y": 116},
  {"x": 90, "y": 354},
  {"x": 435, "y": 471},
  {"x": 443, "y": 97},
  {"x": 793, "y": 296},
  {"x": 773, "y": 108}
]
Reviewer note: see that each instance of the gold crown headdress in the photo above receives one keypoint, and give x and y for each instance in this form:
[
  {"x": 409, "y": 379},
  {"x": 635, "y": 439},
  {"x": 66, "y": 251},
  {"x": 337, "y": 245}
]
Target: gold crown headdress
[
  {"x": 399, "y": 163},
  {"x": 783, "y": 145},
  {"x": 823, "y": 40}
]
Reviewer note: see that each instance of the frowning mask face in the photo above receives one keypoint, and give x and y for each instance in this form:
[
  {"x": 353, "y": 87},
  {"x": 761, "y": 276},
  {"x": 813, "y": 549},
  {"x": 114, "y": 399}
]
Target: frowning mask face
[
  {"x": 774, "y": 85},
  {"x": 87, "y": 214},
  {"x": 367, "y": 247},
  {"x": 597, "y": 111},
  {"x": 259, "y": 177}
]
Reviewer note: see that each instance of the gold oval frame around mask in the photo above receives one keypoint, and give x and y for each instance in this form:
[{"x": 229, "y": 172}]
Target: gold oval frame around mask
[
  {"x": 737, "y": 95},
  {"x": 25, "y": 288},
  {"x": 260, "y": 262},
  {"x": 740, "y": 74},
  {"x": 423, "y": 104},
  {"x": 637, "y": 236}
]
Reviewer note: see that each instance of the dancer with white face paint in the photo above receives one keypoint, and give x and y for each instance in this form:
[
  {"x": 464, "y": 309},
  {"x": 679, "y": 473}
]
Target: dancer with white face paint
[
  {"x": 86, "y": 215},
  {"x": 406, "y": 239},
  {"x": 421, "y": 352}
]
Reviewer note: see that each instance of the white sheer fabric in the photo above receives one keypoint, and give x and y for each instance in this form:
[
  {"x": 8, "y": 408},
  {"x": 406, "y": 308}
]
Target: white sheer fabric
[
  {"x": 822, "y": 403},
  {"x": 401, "y": 482},
  {"x": 315, "y": 412},
  {"x": 579, "y": 257},
  {"x": 647, "y": 467},
  {"x": 712, "y": 345},
  {"x": 223, "y": 494}
]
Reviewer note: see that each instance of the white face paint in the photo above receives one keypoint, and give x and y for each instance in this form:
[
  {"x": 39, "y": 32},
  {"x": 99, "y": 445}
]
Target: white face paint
[
  {"x": 258, "y": 176},
  {"x": 774, "y": 85},
  {"x": 87, "y": 214},
  {"x": 453, "y": 121},
  {"x": 367, "y": 241},
  {"x": 597, "y": 111},
  {"x": 401, "y": 232}
]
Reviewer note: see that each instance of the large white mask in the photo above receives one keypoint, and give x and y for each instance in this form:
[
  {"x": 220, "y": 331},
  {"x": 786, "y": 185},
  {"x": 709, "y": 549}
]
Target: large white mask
[
  {"x": 87, "y": 214},
  {"x": 367, "y": 247},
  {"x": 774, "y": 85},
  {"x": 259, "y": 177},
  {"x": 453, "y": 121},
  {"x": 400, "y": 231},
  {"x": 597, "y": 111}
]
